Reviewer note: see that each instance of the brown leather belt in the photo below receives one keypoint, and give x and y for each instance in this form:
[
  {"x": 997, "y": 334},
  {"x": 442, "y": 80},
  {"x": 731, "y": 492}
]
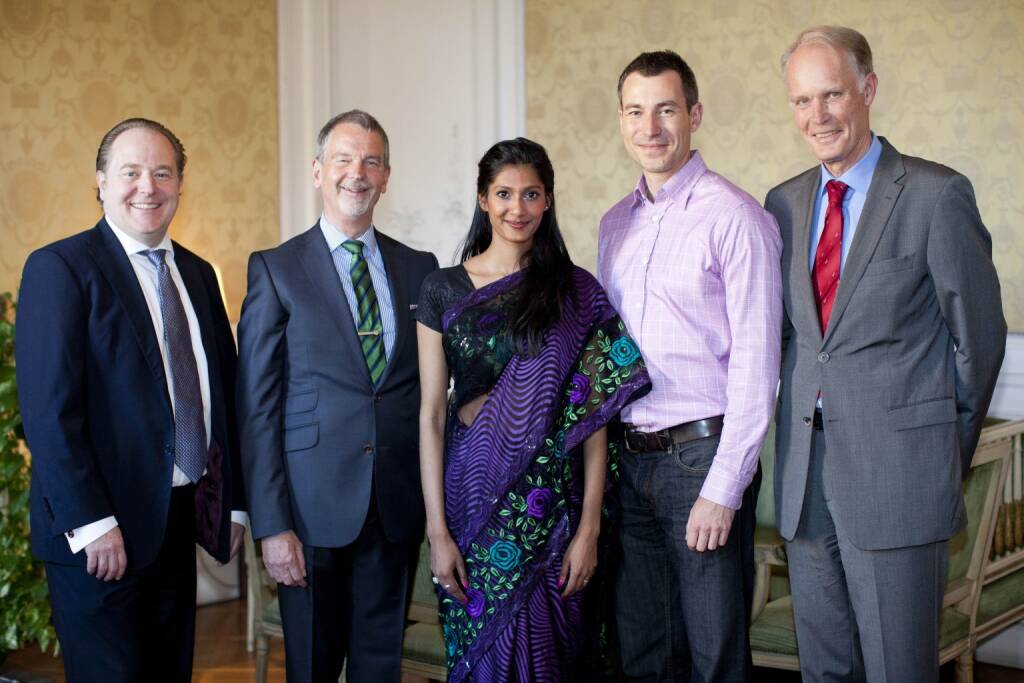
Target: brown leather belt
[{"x": 642, "y": 442}]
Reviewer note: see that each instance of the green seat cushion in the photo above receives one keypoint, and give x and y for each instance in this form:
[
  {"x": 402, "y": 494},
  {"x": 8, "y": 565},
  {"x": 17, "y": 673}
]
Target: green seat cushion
[
  {"x": 424, "y": 643},
  {"x": 272, "y": 613},
  {"x": 422, "y": 586},
  {"x": 955, "y": 626},
  {"x": 1001, "y": 596},
  {"x": 775, "y": 631}
]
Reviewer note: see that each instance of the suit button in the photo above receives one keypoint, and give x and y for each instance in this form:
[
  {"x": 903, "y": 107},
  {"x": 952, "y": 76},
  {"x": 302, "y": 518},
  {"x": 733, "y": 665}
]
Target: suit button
[
  {"x": 367, "y": 449},
  {"x": 823, "y": 357},
  {"x": 808, "y": 421},
  {"x": 377, "y": 398}
]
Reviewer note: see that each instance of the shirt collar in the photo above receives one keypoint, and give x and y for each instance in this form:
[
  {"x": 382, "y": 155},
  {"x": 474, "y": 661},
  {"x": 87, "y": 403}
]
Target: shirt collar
[
  {"x": 678, "y": 187},
  {"x": 335, "y": 237},
  {"x": 859, "y": 176},
  {"x": 132, "y": 246}
]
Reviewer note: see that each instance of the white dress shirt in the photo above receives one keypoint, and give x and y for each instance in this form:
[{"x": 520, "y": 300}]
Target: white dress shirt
[{"x": 146, "y": 273}]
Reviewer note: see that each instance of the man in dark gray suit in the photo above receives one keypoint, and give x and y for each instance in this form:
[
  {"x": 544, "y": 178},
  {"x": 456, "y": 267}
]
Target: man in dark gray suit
[
  {"x": 893, "y": 336},
  {"x": 328, "y": 403}
]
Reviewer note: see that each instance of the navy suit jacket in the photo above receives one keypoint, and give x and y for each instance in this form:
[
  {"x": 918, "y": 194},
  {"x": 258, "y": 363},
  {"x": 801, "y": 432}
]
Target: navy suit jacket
[
  {"x": 95, "y": 405},
  {"x": 315, "y": 430}
]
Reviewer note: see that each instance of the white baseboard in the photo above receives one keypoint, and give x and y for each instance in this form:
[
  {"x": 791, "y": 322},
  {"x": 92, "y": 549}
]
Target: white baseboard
[{"x": 1008, "y": 400}]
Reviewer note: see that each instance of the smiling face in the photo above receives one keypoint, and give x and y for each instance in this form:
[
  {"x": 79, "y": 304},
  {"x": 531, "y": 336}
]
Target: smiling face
[
  {"x": 351, "y": 177},
  {"x": 655, "y": 125},
  {"x": 515, "y": 203},
  {"x": 831, "y": 104},
  {"x": 140, "y": 185}
]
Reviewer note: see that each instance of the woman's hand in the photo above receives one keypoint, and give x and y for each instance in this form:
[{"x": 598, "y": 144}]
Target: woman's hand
[
  {"x": 448, "y": 568},
  {"x": 579, "y": 563}
]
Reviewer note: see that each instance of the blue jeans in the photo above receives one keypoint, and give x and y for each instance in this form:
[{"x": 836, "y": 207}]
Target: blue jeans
[{"x": 682, "y": 615}]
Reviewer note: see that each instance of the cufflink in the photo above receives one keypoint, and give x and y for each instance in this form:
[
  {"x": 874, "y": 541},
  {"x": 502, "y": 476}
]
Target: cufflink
[{"x": 70, "y": 534}]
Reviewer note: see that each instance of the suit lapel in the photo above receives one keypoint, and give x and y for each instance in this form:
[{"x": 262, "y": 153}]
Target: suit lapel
[
  {"x": 803, "y": 293},
  {"x": 319, "y": 266},
  {"x": 117, "y": 269},
  {"x": 399, "y": 297},
  {"x": 883, "y": 192}
]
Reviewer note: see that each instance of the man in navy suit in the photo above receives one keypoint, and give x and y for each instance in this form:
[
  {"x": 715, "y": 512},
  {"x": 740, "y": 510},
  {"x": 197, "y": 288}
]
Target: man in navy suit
[
  {"x": 126, "y": 368},
  {"x": 328, "y": 408}
]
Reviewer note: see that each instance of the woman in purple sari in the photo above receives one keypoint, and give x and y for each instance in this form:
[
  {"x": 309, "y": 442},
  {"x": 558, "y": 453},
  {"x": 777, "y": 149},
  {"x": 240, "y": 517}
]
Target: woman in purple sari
[{"x": 513, "y": 464}]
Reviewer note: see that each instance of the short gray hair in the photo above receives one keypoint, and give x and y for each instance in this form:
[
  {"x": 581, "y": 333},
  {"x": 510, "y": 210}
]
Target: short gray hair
[
  {"x": 852, "y": 42},
  {"x": 361, "y": 119}
]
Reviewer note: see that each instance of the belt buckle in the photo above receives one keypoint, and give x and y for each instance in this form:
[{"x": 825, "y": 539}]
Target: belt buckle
[{"x": 627, "y": 440}]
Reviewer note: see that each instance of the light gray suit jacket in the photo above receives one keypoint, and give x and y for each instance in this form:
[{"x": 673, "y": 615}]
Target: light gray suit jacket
[{"x": 907, "y": 366}]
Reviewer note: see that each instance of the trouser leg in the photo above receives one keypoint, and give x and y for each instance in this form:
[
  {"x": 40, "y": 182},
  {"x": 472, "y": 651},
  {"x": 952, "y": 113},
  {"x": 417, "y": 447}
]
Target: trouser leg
[
  {"x": 826, "y": 629},
  {"x": 647, "y": 598}
]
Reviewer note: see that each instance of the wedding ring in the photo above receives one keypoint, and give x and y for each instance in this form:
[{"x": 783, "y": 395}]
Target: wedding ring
[
  {"x": 447, "y": 586},
  {"x": 434, "y": 580}
]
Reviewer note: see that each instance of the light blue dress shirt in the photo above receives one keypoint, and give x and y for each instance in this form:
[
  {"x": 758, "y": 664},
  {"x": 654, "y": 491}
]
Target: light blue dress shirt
[
  {"x": 859, "y": 179},
  {"x": 343, "y": 263}
]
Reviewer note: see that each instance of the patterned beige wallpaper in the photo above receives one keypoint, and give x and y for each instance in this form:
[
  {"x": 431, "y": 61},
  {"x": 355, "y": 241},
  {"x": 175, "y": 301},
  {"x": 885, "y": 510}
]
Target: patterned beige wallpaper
[
  {"x": 951, "y": 89},
  {"x": 71, "y": 69}
]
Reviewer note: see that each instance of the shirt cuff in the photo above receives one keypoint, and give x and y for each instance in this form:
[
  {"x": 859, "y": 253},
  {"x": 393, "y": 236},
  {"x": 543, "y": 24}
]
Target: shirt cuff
[
  {"x": 240, "y": 517},
  {"x": 722, "y": 488},
  {"x": 84, "y": 535}
]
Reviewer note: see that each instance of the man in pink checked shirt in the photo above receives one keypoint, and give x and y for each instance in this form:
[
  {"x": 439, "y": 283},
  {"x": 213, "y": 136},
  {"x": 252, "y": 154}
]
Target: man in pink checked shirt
[{"x": 691, "y": 262}]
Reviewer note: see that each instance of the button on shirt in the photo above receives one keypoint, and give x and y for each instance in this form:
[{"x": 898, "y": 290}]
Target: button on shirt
[
  {"x": 378, "y": 275},
  {"x": 146, "y": 273},
  {"x": 696, "y": 277}
]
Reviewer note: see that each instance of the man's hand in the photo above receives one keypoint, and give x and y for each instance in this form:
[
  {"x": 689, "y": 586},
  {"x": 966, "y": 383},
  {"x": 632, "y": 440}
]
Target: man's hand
[
  {"x": 283, "y": 558},
  {"x": 105, "y": 557},
  {"x": 708, "y": 526},
  {"x": 237, "y": 536}
]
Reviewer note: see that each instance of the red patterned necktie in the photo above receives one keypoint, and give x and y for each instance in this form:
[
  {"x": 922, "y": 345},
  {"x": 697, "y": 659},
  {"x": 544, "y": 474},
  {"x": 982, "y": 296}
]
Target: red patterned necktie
[{"x": 829, "y": 254}]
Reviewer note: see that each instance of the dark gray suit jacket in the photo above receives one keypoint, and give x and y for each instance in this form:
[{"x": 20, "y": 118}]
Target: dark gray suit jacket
[
  {"x": 314, "y": 430},
  {"x": 907, "y": 366}
]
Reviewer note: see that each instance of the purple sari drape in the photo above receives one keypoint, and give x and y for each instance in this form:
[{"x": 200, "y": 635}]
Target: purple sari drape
[{"x": 513, "y": 481}]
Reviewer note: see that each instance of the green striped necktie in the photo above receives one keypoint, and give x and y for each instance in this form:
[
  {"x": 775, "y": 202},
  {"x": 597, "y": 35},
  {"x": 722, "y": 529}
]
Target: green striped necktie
[{"x": 370, "y": 329}]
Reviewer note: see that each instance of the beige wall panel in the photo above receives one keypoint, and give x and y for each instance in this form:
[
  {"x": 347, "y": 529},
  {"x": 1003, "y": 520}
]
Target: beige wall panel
[
  {"x": 951, "y": 89},
  {"x": 71, "y": 69}
]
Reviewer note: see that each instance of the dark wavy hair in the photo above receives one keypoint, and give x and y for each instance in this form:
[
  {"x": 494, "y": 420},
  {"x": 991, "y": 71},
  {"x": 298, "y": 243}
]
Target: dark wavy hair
[{"x": 548, "y": 278}]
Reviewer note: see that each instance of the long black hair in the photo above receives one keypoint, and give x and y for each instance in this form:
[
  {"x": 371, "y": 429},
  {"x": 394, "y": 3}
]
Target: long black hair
[{"x": 548, "y": 277}]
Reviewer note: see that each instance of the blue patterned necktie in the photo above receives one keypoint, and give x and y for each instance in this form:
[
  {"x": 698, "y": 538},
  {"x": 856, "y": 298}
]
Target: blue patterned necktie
[
  {"x": 370, "y": 328},
  {"x": 189, "y": 425}
]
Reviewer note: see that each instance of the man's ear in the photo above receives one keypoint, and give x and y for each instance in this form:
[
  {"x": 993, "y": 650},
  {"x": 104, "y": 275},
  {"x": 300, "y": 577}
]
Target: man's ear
[
  {"x": 101, "y": 181},
  {"x": 318, "y": 170},
  {"x": 696, "y": 116},
  {"x": 870, "y": 88}
]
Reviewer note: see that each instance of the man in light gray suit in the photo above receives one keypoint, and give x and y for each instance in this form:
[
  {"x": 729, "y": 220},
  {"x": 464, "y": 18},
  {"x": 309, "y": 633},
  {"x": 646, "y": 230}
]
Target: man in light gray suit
[
  {"x": 328, "y": 406},
  {"x": 893, "y": 336}
]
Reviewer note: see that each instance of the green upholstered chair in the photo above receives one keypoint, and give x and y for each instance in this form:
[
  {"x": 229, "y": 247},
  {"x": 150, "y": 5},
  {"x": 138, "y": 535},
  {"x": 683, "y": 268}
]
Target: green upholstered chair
[
  {"x": 264, "y": 616},
  {"x": 773, "y": 632},
  {"x": 423, "y": 649},
  {"x": 1002, "y": 596}
]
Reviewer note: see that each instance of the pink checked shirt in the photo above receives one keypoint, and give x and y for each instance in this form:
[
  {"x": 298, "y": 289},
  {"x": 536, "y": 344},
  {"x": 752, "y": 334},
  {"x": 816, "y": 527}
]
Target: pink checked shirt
[{"x": 696, "y": 277}]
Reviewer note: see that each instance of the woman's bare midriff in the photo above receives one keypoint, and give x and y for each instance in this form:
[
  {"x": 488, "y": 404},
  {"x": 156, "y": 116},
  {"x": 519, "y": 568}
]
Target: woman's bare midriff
[{"x": 468, "y": 412}]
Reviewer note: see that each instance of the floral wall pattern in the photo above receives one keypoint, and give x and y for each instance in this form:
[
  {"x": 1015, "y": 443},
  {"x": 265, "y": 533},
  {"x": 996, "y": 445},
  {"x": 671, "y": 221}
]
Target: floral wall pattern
[
  {"x": 71, "y": 69},
  {"x": 951, "y": 89}
]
